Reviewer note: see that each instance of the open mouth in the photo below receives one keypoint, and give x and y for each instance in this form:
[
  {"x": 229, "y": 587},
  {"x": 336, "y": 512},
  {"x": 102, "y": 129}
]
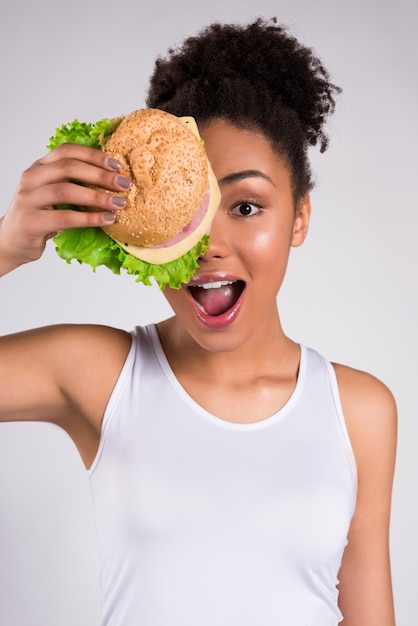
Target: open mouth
[{"x": 218, "y": 297}]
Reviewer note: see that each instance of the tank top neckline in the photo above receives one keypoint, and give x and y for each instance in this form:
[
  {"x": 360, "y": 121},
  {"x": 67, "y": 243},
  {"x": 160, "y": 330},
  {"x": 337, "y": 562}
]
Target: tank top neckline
[{"x": 210, "y": 417}]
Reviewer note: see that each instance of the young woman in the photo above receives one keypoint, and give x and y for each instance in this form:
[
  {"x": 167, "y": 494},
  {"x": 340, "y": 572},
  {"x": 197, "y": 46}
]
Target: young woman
[{"x": 238, "y": 477}]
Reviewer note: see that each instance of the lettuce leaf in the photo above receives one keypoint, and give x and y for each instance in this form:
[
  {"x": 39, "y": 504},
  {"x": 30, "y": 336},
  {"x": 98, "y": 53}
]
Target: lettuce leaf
[
  {"x": 93, "y": 246},
  {"x": 93, "y": 135}
]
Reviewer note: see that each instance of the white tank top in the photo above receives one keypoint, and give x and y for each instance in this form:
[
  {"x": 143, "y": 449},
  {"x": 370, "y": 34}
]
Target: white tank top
[{"x": 202, "y": 522}]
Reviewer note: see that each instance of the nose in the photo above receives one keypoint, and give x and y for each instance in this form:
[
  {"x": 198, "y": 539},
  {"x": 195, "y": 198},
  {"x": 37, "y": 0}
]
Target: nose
[{"x": 219, "y": 244}]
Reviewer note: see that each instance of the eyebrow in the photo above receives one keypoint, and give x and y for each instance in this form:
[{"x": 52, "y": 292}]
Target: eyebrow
[{"x": 237, "y": 176}]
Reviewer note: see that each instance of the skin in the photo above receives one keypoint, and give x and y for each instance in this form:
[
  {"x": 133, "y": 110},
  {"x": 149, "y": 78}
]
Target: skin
[{"x": 250, "y": 351}]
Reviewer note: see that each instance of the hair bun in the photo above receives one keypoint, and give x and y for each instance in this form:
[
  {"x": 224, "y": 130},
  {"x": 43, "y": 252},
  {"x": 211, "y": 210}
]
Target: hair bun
[{"x": 263, "y": 53}]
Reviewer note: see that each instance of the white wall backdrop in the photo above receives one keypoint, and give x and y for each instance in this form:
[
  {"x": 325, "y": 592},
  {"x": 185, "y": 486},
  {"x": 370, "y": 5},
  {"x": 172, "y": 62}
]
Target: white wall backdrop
[{"x": 351, "y": 291}]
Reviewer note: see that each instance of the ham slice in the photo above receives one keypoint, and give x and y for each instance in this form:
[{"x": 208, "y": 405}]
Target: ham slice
[{"x": 190, "y": 227}]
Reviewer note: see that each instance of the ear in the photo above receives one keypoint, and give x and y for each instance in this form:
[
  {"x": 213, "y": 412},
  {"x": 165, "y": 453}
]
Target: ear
[{"x": 301, "y": 223}]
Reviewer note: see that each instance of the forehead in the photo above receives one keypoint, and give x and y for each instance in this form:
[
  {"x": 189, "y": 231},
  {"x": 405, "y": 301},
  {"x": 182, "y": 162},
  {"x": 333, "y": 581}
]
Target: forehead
[{"x": 232, "y": 149}]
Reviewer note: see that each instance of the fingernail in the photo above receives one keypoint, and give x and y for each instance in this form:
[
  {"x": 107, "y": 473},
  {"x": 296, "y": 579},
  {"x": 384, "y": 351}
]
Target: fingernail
[
  {"x": 113, "y": 163},
  {"x": 123, "y": 182},
  {"x": 118, "y": 201},
  {"x": 108, "y": 217}
]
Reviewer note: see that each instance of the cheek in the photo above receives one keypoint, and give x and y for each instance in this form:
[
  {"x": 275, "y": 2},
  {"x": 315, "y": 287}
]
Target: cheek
[{"x": 270, "y": 245}]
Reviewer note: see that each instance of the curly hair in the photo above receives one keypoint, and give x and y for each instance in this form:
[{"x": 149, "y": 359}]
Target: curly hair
[{"x": 255, "y": 76}]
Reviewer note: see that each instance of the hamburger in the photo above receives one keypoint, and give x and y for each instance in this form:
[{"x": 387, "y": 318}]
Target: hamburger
[{"x": 163, "y": 230}]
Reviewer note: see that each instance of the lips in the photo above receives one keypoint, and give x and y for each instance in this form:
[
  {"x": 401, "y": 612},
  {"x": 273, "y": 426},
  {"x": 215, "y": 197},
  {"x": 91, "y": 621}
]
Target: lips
[{"x": 217, "y": 301}]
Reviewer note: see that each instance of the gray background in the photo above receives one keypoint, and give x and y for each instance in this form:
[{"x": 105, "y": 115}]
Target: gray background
[{"x": 350, "y": 290}]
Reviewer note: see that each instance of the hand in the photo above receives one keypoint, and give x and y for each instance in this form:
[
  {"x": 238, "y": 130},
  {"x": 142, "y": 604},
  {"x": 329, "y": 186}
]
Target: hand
[{"x": 61, "y": 177}]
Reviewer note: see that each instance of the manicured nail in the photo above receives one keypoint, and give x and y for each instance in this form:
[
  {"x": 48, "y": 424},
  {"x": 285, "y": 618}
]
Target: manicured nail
[
  {"x": 118, "y": 201},
  {"x": 113, "y": 164},
  {"x": 108, "y": 217},
  {"x": 123, "y": 182}
]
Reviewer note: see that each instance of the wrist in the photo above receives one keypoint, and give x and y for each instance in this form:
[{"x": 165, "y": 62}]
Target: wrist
[{"x": 7, "y": 262}]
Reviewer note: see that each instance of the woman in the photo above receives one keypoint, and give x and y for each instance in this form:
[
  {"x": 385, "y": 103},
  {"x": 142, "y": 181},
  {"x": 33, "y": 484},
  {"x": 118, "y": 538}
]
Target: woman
[{"x": 237, "y": 476}]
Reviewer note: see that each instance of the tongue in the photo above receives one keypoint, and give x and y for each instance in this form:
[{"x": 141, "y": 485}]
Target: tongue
[{"x": 217, "y": 301}]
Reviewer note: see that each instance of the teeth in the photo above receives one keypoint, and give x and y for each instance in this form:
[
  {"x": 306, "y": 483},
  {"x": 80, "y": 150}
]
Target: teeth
[{"x": 217, "y": 284}]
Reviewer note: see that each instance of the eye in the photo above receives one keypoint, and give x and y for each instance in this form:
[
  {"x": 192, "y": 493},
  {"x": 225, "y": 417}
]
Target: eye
[{"x": 246, "y": 209}]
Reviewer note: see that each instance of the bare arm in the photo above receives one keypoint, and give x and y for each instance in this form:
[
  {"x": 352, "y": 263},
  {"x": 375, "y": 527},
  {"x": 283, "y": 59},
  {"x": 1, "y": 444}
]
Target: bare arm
[
  {"x": 65, "y": 374},
  {"x": 366, "y": 597}
]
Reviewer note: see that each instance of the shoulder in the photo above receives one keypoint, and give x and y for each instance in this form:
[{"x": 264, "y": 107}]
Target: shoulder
[
  {"x": 78, "y": 357},
  {"x": 76, "y": 337},
  {"x": 65, "y": 343},
  {"x": 364, "y": 394},
  {"x": 88, "y": 360},
  {"x": 359, "y": 389},
  {"x": 84, "y": 337},
  {"x": 68, "y": 373},
  {"x": 70, "y": 344},
  {"x": 96, "y": 351},
  {"x": 370, "y": 413}
]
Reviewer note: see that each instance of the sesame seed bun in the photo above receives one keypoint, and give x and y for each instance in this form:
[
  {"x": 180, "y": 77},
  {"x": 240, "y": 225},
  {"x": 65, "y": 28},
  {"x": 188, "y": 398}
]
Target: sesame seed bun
[{"x": 168, "y": 165}]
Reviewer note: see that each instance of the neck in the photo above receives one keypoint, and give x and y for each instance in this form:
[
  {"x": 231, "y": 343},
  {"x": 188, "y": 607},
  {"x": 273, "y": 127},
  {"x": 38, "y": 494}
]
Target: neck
[
  {"x": 243, "y": 384},
  {"x": 265, "y": 350}
]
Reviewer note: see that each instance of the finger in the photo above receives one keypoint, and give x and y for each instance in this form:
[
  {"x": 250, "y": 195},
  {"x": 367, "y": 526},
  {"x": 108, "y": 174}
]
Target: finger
[
  {"x": 93, "y": 156},
  {"x": 49, "y": 196},
  {"x": 69, "y": 169},
  {"x": 50, "y": 222}
]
